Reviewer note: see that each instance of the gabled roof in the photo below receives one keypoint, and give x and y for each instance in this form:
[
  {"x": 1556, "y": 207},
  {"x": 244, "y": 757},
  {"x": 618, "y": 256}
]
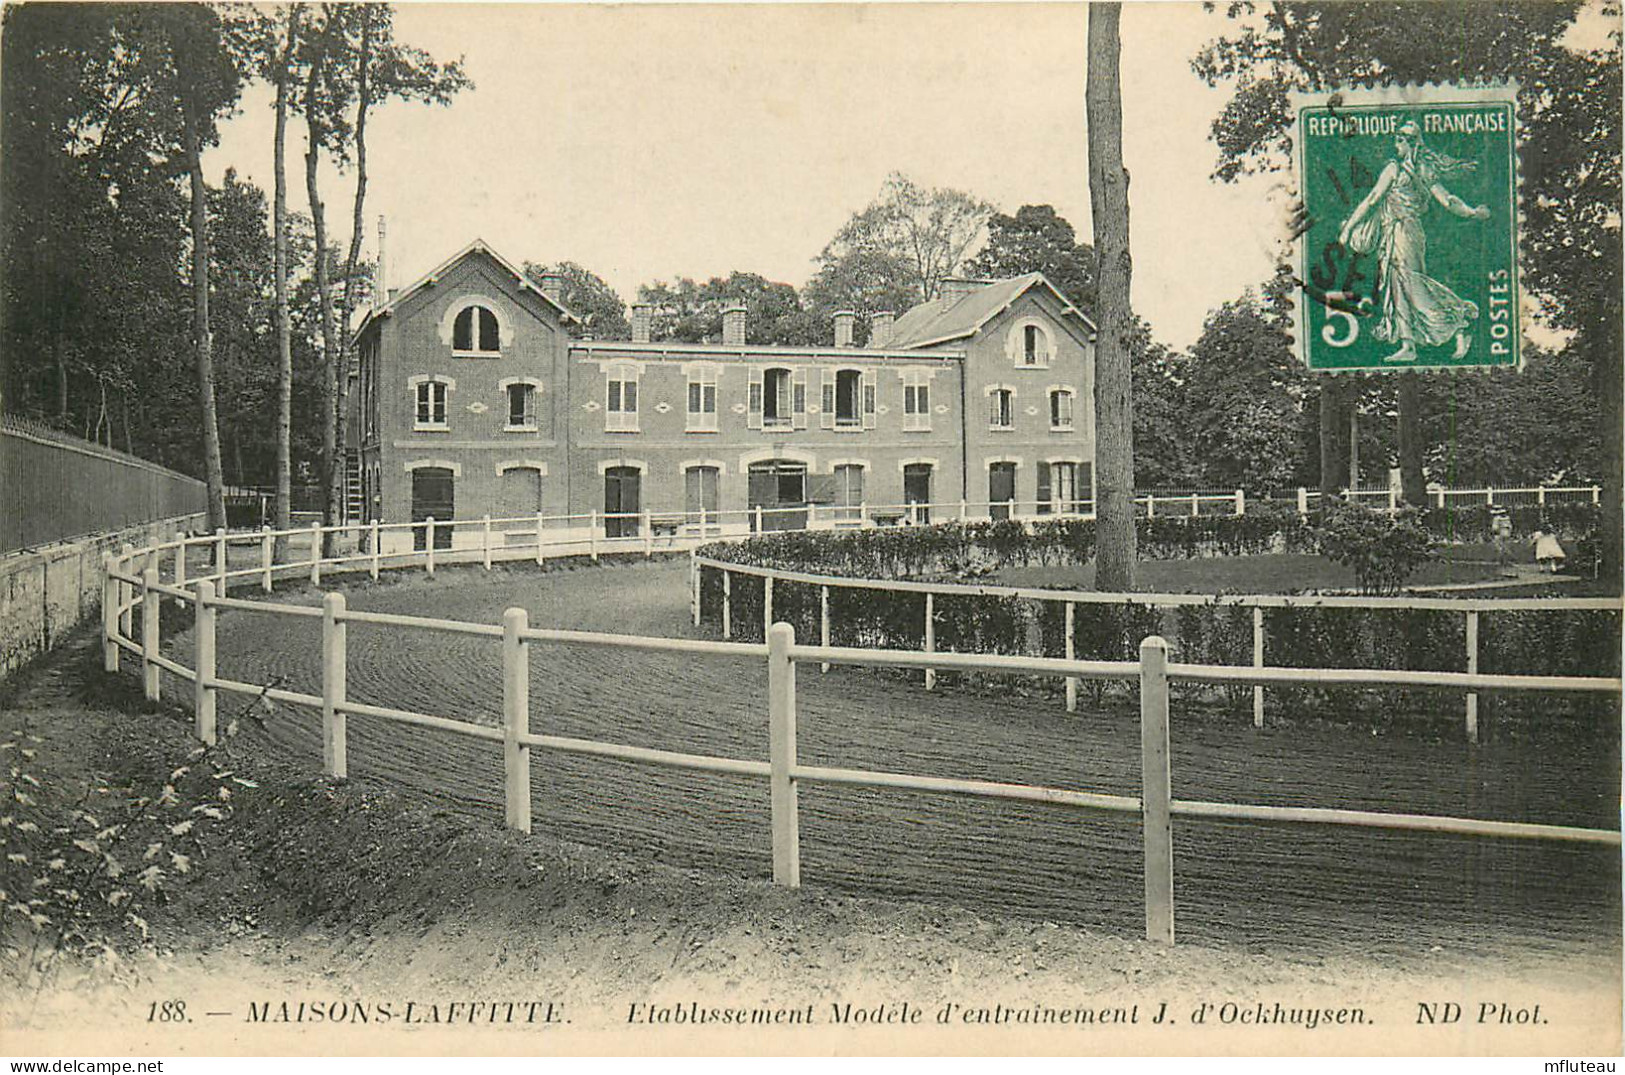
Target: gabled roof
[
  {"x": 933, "y": 323},
  {"x": 478, "y": 246}
]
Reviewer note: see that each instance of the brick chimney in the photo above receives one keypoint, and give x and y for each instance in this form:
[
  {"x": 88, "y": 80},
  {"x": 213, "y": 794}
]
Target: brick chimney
[
  {"x": 954, "y": 288},
  {"x": 643, "y": 315},
  {"x": 553, "y": 287},
  {"x": 880, "y": 328},
  {"x": 733, "y": 326},
  {"x": 844, "y": 320}
]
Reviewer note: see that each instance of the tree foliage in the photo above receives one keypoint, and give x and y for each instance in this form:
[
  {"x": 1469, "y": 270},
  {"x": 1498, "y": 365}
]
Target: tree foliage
[
  {"x": 589, "y": 297},
  {"x": 688, "y": 311},
  {"x": 1037, "y": 239}
]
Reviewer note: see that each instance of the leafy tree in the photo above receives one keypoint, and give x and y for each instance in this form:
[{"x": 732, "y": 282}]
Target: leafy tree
[
  {"x": 1114, "y": 392},
  {"x": 1164, "y": 456},
  {"x": 865, "y": 281},
  {"x": 1244, "y": 392},
  {"x": 1570, "y": 135},
  {"x": 1037, "y": 239},
  {"x": 600, "y": 308},
  {"x": 691, "y": 312},
  {"x": 922, "y": 234}
]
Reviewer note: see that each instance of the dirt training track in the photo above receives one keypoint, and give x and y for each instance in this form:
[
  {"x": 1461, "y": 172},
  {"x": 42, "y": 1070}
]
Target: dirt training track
[{"x": 1278, "y": 886}]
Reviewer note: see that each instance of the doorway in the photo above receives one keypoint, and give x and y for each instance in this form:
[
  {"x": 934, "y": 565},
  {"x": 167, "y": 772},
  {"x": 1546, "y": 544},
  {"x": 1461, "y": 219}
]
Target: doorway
[
  {"x": 433, "y": 497},
  {"x": 1001, "y": 489},
  {"x": 622, "y": 501}
]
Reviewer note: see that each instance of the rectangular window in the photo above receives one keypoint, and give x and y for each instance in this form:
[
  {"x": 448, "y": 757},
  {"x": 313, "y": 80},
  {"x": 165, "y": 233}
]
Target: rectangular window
[
  {"x": 621, "y": 404},
  {"x": 1060, "y": 409},
  {"x": 700, "y": 497},
  {"x": 431, "y": 405},
  {"x": 776, "y": 399},
  {"x": 848, "y": 399},
  {"x": 521, "y": 406},
  {"x": 848, "y": 492},
  {"x": 702, "y": 400},
  {"x": 1001, "y": 405},
  {"x": 917, "y": 406},
  {"x": 1035, "y": 346}
]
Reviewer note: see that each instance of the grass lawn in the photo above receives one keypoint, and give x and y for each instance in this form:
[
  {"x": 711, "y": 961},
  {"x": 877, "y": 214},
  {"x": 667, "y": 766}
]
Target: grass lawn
[{"x": 1267, "y": 573}]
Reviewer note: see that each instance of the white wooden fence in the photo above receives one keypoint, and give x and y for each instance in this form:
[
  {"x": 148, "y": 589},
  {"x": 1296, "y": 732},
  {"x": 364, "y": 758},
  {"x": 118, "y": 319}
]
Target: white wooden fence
[
  {"x": 1471, "y": 609},
  {"x": 134, "y": 582}
]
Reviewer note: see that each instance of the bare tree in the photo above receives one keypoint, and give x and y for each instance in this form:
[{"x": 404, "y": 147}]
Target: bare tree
[
  {"x": 282, "y": 74},
  {"x": 1114, "y": 399}
]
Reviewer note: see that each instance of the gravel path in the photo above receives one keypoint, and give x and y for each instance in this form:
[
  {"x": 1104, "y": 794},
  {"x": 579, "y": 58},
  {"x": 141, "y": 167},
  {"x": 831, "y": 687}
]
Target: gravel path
[{"x": 1279, "y": 887}]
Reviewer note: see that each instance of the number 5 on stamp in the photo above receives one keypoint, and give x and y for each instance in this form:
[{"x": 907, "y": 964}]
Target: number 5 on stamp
[{"x": 1410, "y": 257}]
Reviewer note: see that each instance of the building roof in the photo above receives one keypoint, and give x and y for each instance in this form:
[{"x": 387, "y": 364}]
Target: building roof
[
  {"x": 478, "y": 246},
  {"x": 933, "y": 322}
]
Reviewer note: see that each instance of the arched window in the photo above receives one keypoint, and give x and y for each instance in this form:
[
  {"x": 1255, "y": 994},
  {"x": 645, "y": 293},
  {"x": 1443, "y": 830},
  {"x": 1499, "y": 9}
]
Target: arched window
[
  {"x": 1060, "y": 409},
  {"x": 475, "y": 331}
]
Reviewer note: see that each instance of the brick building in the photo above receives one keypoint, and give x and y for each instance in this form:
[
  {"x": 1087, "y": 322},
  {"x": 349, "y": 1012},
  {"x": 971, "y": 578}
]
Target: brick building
[{"x": 473, "y": 399}]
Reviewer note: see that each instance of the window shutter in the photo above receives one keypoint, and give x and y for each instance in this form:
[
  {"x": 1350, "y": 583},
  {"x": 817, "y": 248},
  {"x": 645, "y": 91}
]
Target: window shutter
[
  {"x": 826, "y": 417},
  {"x": 754, "y": 418},
  {"x": 1044, "y": 495},
  {"x": 993, "y": 408},
  {"x": 462, "y": 331},
  {"x": 799, "y": 404},
  {"x": 488, "y": 330},
  {"x": 868, "y": 399},
  {"x": 821, "y": 488}
]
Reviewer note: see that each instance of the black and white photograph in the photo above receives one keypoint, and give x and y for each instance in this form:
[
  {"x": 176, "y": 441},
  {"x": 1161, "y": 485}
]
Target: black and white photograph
[{"x": 811, "y": 529}]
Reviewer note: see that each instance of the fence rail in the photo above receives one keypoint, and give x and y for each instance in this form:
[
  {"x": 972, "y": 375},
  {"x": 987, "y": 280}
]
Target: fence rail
[{"x": 134, "y": 584}]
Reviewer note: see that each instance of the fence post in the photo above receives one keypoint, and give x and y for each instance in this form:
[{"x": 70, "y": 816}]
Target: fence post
[
  {"x": 1596, "y": 494},
  {"x": 694, "y": 586},
  {"x": 266, "y": 555},
  {"x": 316, "y": 555},
  {"x": 334, "y": 686},
  {"x": 727, "y": 604},
  {"x": 203, "y": 693},
  {"x": 428, "y": 545},
  {"x": 964, "y": 510},
  {"x": 220, "y": 556},
  {"x": 1150, "y": 506},
  {"x": 110, "y": 600},
  {"x": 1258, "y": 662},
  {"x": 823, "y": 622},
  {"x": 150, "y": 603},
  {"x": 767, "y": 605},
  {"x": 541, "y": 546},
  {"x": 648, "y": 537},
  {"x": 180, "y": 559},
  {"x": 1303, "y": 502},
  {"x": 126, "y": 595},
  {"x": 930, "y": 638},
  {"x": 1241, "y": 502},
  {"x": 1540, "y": 495},
  {"x": 1472, "y": 670},
  {"x": 516, "y": 718},
  {"x": 759, "y": 529},
  {"x": 592, "y": 537},
  {"x": 781, "y": 716},
  {"x": 1196, "y": 505},
  {"x": 1154, "y": 791},
  {"x": 485, "y": 542},
  {"x": 372, "y": 568},
  {"x": 1489, "y": 495},
  {"x": 1071, "y": 654},
  {"x": 1393, "y": 500}
]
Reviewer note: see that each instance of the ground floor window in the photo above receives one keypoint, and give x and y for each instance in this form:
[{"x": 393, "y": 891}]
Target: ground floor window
[
  {"x": 917, "y": 490},
  {"x": 848, "y": 492},
  {"x": 622, "y": 501},
  {"x": 1001, "y": 489},
  {"x": 701, "y": 496},
  {"x": 433, "y": 497},
  {"x": 779, "y": 488}
]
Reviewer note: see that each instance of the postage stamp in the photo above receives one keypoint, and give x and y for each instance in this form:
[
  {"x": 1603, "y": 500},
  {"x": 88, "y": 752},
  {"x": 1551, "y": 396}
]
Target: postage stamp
[{"x": 1409, "y": 258}]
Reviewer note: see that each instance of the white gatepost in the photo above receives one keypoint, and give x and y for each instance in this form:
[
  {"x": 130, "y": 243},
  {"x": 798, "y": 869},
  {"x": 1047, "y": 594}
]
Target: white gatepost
[
  {"x": 694, "y": 586},
  {"x": 1150, "y": 506},
  {"x": 150, "y": 603},
  {"x": 1596, "y": 494},
  {"x": 727, "y": 603},
  {"x": 220, "y": 556},
  {"x": 372, "y": 569},
  {"x": 930, "y": 638},
  {"x": 1196, "y": 502},
  {"x": 1472, "y": 670},
  {"x": 1241, "y": 503},
  {"x": 316, "y": 555},
  {"x": 592, "y": 537},
  {"x": 1441, "y": 497},
  {"x": 516, "y": 718},
  {"x": 1303, "y": 502},
  {"x": 485, "y": 542},
  {"x": 428, "y": 545},
  {"x": 823, "y": 622},
  {"x": 335, "y": 752},
  {"x": 180, "y": 559},
  {"x": 126, "y": 595},
  {"x": 1155, "y": 781},
  {"x": 781, "y": 716},
  {"x": 1258, "y": 662},
  {"x": 267, "y": 554},
  {"x": 767, "y": 605},
  {"x": 964, "y": 510},
  {"x": 110, "y": 614},
  {"x": 648, "y": 536},
  {"x": 203, "y": 665},
  {"x": 541, "y": 543},
  {"x": 1393, "y": 500},
  {"x": 1071, "y": 654},
  {"x": 1540, "y": 495}
]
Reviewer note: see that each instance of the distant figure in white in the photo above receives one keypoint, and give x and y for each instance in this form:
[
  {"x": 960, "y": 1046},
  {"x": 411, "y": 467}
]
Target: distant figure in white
[
  {"x": 1549, "y": 552},
  {"x": 1417, "y": 310}
]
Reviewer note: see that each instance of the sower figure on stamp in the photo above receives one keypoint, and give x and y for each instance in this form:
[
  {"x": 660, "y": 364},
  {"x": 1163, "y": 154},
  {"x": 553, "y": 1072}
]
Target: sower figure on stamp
[{"x": 1417, "y": 310}]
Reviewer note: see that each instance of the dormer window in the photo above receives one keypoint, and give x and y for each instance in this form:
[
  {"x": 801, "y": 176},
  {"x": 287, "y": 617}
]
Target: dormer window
[
  {"x": 475, "y": 332},
  {"x": 1029, "y": 344}
]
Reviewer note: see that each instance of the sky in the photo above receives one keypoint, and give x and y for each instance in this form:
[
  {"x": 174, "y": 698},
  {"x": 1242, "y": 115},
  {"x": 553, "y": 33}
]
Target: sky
[{"x": 648, "y": 142}]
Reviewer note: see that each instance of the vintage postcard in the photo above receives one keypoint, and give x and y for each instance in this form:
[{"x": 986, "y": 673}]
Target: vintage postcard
[{"x": 826, "y": 529}]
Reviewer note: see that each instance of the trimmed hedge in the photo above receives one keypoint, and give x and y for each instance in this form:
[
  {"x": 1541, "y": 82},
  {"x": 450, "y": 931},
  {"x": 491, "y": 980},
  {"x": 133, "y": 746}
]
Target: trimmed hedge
[{"x": 1577, "y": 642}]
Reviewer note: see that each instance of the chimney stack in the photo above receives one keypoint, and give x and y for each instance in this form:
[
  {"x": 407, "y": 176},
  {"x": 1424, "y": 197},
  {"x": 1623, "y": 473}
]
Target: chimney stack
[
  {"x": 643, "y": 314},
  {"x": 733, "y": 326},
  {"x": 380, "y": 286},
  {"x": 880, "y": 328},
  {"x": 844, "y": 320},
  {"x": 553, "y": 287},
  {"x": 954, "y": 288}
]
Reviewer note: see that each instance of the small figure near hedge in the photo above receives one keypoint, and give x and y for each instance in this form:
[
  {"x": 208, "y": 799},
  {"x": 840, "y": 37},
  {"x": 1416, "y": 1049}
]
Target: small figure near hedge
[{"x": 1549, "y": 552}]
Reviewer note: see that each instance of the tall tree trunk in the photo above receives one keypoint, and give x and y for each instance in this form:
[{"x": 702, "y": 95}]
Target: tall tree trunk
[
  {"x": 203, "y": 338},
  {"x": 1412, "y": 482},
  {"x": 330, "y": 347},
  {"x": 283, "y": 512},
  {"x": 339, "y": 480},
  {"x": 1334, "y": 435},
  {"x": 1611, "y": 435},
  {"x": 1114, "y": 396}
]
